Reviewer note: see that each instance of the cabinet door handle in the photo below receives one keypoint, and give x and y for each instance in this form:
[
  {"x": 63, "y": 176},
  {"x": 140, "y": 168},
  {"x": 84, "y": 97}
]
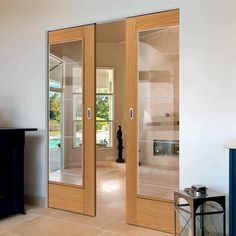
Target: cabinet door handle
[
  {"x": 89, "y": 113},
  {"x": 131, "y": 113}
]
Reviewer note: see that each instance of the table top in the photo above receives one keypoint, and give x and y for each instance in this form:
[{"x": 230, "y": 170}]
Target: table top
[
  {"x": 210, "y": 194},
  {"x": 17, "y": 129}
]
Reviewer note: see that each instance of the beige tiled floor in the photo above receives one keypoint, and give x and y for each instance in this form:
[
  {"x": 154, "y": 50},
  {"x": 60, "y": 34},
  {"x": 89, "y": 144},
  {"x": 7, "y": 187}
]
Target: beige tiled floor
[
  {"x": 110, "y": 219},
  {"x": 111, "y": 191},
  {"x": 51, "y": 222}
]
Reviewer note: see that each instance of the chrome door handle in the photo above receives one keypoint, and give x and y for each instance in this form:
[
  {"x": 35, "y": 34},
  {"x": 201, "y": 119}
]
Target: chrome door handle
[
  {"x": 89, "y": 113},
  {"x": 131, "y": 113}
]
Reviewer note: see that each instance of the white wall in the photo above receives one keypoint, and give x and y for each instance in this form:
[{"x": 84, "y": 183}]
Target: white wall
[
  {"x": 207, "y": 77},
  {"x": 207, "y": 91}
]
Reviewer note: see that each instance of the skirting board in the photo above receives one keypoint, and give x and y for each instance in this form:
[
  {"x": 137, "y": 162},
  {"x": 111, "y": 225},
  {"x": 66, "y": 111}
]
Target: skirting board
[{"x": 36, "y": 201}]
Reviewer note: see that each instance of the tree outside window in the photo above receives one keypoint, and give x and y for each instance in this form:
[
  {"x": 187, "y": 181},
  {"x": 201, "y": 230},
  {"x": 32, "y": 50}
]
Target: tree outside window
[{"x": 104, "y": 107}]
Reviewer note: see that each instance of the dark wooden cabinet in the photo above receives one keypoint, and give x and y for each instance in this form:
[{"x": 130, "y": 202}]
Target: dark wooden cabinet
[{"x": 12, "y": 142}]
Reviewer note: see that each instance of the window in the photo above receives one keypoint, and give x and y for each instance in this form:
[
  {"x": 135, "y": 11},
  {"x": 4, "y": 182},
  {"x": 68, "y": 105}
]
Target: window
[{"x": 104, "y": 106}]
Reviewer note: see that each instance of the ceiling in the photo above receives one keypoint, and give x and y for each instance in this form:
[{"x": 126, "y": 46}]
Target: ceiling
[
  {"x": 111, "y": 32},
  {"x": 68, "y": 52}
]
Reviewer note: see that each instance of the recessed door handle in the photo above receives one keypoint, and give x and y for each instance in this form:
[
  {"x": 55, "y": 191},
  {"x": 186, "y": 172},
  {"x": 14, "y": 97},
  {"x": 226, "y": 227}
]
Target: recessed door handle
[
  {"x": 89, "y": 113},
  {"x": 131, "y": 113}
]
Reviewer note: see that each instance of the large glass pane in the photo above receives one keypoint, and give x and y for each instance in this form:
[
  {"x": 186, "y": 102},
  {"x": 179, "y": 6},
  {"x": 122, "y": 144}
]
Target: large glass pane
[
  {"x": 66, "y": 142},
  {"x": 158, "y": 110}
]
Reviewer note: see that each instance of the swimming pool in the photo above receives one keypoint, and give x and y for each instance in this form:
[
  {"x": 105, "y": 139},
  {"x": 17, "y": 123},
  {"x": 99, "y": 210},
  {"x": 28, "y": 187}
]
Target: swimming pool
[{"x": 53, "y": 143}]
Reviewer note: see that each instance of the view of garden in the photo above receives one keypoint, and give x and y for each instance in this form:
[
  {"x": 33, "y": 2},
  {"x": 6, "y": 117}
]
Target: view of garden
[
  {"x": 55, "y": 119},
  {"x": 103, "y": 124}
]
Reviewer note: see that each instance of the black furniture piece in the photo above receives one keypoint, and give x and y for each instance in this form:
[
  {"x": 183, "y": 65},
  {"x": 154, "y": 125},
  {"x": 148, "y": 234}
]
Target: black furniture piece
[
  {"x": 12, "y": 142},
  {"x": 194, "y": 210}
]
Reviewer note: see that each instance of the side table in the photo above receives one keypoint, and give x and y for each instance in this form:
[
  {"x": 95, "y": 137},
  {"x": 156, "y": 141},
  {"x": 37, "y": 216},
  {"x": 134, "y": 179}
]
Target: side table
[{"x": 194, "y": 210}]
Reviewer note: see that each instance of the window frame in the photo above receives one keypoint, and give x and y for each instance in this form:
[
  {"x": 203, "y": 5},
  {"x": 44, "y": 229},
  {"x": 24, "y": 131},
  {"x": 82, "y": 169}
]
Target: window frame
[{"x": 110, "y": 121}]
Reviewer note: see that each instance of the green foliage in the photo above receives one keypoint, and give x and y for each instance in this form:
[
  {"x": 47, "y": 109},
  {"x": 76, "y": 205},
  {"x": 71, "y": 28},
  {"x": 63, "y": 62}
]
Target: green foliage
[
  {"x": 101, "y": 125},
  {"x": 55, "y": 107},
  {"x": 102, "y": 115},
  {"x": 102, "y": 107}
]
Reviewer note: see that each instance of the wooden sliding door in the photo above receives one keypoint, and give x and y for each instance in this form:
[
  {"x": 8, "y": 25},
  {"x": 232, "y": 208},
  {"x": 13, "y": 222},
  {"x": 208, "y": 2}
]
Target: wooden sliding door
[
  {"x": 152, "y": 118},
  {"x": 72, "y": 183}
]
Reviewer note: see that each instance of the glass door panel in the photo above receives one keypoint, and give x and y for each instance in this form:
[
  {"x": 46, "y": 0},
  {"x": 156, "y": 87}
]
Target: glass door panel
[
  {"x": 66, "y": 77},
  {"x": 72, "y": 144},
  {"x": 152, "y": 123},
  {"x": 158, "y": 111}
]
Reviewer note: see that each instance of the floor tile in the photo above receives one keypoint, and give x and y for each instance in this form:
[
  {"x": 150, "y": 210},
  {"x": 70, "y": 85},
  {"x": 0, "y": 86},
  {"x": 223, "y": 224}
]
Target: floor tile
[
  {"x": 48, "y": 226},
  {"x": 120, "y": 228},
  {"x": 15, "y": 219},
  {"x": 148, "y": 232},
  {"x": 110, "y": 219},
  {"x": 109, "y": 234}
]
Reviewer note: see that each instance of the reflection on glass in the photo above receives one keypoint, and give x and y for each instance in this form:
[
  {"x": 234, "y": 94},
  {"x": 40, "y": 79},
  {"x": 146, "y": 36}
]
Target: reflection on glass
[
  {"x": 77, "y": 119},
  {"x": 56, "y": 67},
  {"x": 66, "y": 113},
  {"x": 104, "y": 106},
  {"x": 158, "y": 106},
  {"x": 78, "y": 140},
  {"x": 77, "y": 107},
  {"x": 77, "y": 79}
]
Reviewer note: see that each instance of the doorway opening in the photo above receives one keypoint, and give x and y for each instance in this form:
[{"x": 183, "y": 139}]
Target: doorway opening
[{"x": 110, "y": 80}]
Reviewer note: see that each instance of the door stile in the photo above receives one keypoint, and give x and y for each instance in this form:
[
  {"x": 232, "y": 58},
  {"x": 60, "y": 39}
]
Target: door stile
[
  {"x": 131, "y": 123},
  {"x": 90, "y": 134}
]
